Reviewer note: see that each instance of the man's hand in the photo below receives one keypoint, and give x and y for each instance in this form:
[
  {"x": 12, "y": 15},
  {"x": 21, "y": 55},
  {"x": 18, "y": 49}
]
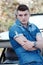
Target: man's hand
[
  {"x": 39, "y": 44},
  {"x": 26, "y": 44},
  {"x": 29, "y": 46}
]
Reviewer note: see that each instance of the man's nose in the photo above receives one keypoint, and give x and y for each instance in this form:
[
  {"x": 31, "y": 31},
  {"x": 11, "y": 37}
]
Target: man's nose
[{"x": 23, "y": 17}]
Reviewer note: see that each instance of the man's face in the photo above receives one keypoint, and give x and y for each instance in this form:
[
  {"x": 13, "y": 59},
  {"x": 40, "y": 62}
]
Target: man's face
[{"x": 23, "y": 16}]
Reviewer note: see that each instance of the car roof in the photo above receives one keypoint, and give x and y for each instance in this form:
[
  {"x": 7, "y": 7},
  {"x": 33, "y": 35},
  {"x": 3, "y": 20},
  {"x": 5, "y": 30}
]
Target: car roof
[
  {"x": 4, "y": 35},
  {"x": 37, "y": 20}
]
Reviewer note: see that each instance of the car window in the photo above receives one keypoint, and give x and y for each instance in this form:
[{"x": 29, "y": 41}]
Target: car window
[{"x": 37, "y": 19}]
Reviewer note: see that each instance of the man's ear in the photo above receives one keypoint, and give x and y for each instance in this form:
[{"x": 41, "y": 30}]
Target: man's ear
[{"x": 16, "y": 14}]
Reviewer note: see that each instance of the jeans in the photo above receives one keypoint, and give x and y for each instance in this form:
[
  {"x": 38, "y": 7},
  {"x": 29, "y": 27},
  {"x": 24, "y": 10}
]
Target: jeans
[{"x": 34, "y": 63}]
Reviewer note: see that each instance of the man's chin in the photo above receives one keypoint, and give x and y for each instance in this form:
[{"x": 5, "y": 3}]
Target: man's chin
[{"x": 24, "y": 23}]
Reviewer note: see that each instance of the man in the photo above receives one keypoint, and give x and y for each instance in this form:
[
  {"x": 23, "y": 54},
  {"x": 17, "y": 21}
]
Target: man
[{"x": 26, "y": 38}]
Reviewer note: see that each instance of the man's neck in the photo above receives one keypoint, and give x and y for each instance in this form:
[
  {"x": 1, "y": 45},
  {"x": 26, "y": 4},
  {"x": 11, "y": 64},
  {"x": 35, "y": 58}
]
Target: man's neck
[{"x": 25, "y": 25}]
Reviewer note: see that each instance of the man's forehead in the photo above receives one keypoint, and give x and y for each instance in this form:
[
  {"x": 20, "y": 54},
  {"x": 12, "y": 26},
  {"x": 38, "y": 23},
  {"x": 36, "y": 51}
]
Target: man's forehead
[{"x": 23, "y": 12}]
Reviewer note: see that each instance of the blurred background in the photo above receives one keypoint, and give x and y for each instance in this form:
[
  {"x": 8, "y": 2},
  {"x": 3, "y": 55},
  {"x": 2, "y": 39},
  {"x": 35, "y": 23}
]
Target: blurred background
[{"x": 7, "y": 11}]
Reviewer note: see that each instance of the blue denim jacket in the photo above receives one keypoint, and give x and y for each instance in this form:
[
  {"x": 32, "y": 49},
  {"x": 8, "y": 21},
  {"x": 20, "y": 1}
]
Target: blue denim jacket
[{"x": 30, "y": 33}]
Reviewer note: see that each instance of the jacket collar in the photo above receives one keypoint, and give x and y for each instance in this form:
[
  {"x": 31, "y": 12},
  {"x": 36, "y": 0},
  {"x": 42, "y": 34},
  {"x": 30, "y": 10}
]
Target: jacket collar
[{"x": 19, "y": 23}]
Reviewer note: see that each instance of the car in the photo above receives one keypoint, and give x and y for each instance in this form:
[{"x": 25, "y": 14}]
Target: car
[{"x": 36, "y": 19}]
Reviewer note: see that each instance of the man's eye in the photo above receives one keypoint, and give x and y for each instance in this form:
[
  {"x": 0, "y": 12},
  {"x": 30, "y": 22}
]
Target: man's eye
[
  {"x": 25, "y": 14},
  {"x": 20, "y": 15}
]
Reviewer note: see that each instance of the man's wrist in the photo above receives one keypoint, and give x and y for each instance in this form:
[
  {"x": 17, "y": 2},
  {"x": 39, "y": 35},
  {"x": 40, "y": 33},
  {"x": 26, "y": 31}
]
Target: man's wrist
[
  {"x": 35, "y": 44},
  {"x": 23, "y": 44}
]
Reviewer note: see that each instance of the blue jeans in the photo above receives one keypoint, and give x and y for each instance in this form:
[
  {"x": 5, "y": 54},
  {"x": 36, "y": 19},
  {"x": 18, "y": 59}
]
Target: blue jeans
[{"x": 34, "y": 63}]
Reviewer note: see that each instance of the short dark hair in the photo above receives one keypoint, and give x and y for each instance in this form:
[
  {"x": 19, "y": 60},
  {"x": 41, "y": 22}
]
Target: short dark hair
[{"x": 22, "y": 7}]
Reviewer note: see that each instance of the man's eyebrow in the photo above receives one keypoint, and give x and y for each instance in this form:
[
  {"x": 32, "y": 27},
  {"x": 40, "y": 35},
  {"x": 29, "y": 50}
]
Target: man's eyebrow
[
  {"x": 22, "y": 15},
  {"x": 25, "y": 14}
]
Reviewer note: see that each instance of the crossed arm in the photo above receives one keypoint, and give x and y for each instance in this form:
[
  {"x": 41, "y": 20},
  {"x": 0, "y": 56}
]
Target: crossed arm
[{"x": 29, "y": 45}]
